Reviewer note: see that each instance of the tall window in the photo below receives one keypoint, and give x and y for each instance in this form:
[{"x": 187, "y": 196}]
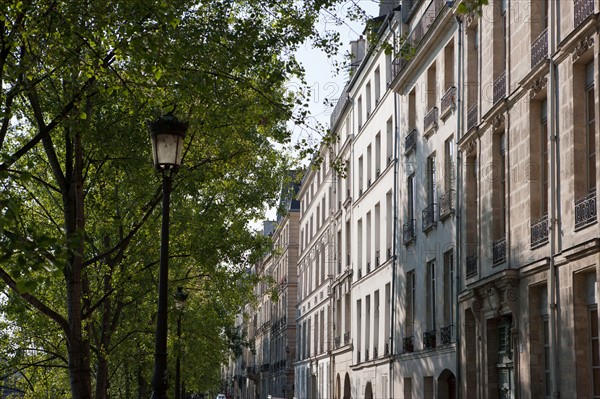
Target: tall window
[
  {"x": 544, "y": 158},
  {"x": 376, "y": 325},
  {"x": 358, "y": 328},
  {"x": 368, "y": 95},
  {"x": 390, "y": 143},
  {"x": 449, "y": 290},
  {"x": 410, "y": 303},
  {"x": 410, "y": 215},
  {"x": 431, "y": 180},
  {"x": 359, "y": 113},
  {"x": 594, "y": 343},
  {"x": 448, "y": 163},
  {"x": 590, "y": 121},
  {"x": 431, "y": 294},
  {"x": 377, "y": 85}
]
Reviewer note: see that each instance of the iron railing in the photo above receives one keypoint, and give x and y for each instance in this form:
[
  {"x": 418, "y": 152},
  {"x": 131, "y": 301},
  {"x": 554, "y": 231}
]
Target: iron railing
[
  {"x": 583, "y": 9},
  {"x": 368, "y": 267},
  {"x": 585, "y": 210},
  {"x": 471, "y": 265},
  {"x": 472, "y": 117},
  {"x": 447, "y": 204},
  {"x": 500, "y": 87},
  {"x": 499, "y": 251},
  {"x": 429, "y": 339},
  {"x": 431, "y": 119},
  {"x": 428, "y": 215},
  {"x": 539, "y": 49},
  {"x": 448, "y": 101},
  {"x": 410, "y": 142},
  {"x": 377, "y": 260},
  {"x": 375, "y": 352},
  {"x": 408, "y": 345},
  {"x": 389, "y": 252},
  {"x": 386, "y": 349},
  {"x": 446, "y": 335},
  {"x": 539, "y": 232},
  {"x": 409, "y": 232}
]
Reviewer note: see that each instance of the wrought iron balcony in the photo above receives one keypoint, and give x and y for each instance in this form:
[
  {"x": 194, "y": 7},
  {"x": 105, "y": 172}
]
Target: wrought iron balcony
[
  {"x": 409, "y": 232},
  {"x": 429, "y": 339},
  {"x": 408, "y": 345},
  {"x": 471, "y": 266},
  {"x": 375, "y": 352},
  {"x": 446, "y": 334},
  {"x": 539, "y": 232},
  {"x": 499, "y": 251},
  {"x": 583, "y": 9},
  {"x": 472, "y": 117},
  {"x": 539, "y": 49},
  {"x": 430, "y": 121},
  {"x": 410, "y": 142},
  {"x": 389, "y": 252},
  {"x": 428, "y": 215},
  {"x": 585, "y": 211},
  {"x": 346, "y": 337},
  {"x": 368, "y": 267},
  {"x": 448, "y": 102},
  {"x": 360, "y": 272},
  {"x": 500, "y": 87},
  {"x": 377, "y": 258},
  {"x": 447, "y": 204}
]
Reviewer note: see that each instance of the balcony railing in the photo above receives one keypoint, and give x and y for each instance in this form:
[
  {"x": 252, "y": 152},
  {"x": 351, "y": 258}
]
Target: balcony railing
[
  {"x": 446, "y": 335},
  {"x": 431, "y": 120},
  {"x": 377, "y": 260},
  {"x": 448, "y": 101},
  {"x": 346, "y": 337},
  {"x": 539, "y": 48},
  {"x": 447, "y": 204},
  {"x": 500, "y": 87},
  {"x": 499, "y": 251},
  {"x": 409, "y": 232},
  {"x": 389, "y": 252},
  {"x": 410, "y": 142},
  {"x": 539, "y": 232},
  {"x": 368, "y": 267},
  {"x": 375, "y": 352},
  {"x": 428, "y": 215},
  {"x": 472, "y": 117},
  {"x": 386, "y": 349},
  {"x": 583, "y": 8},
  {"x": 585, "y": 210},
  {"x": 429, "y": 339},
  {"x": 408, "y": 345},
  {"x": 360, "y": 272},
  {"x": 471, "y": 265}
]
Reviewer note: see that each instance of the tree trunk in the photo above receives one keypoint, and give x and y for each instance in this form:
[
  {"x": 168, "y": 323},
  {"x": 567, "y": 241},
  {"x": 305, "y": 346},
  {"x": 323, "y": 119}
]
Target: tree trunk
[{"x": 78, "y": 344}]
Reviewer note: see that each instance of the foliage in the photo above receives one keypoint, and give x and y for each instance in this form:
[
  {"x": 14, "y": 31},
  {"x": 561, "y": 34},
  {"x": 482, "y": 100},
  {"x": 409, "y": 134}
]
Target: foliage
[{"x": 80, "y": 201}]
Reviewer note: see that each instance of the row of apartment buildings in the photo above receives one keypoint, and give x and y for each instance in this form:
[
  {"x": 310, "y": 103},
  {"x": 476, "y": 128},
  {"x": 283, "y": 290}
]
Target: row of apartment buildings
[{"x": 458, "y": 255}]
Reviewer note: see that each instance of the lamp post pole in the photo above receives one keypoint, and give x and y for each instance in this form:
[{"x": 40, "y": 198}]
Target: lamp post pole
[
  {"x": 167, "y": 143},
  {"x": 180, "y": 298}
]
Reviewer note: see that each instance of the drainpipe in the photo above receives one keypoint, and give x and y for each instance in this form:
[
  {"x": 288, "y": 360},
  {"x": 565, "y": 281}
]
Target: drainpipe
[
  {"x": 553, "y": 225},
  {"x": 457, "y": 220},
  {"x": 394, "y": 244}
]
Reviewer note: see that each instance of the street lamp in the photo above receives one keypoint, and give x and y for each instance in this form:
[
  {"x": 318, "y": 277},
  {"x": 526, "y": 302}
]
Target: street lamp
[
  {"x": 167, "y": 147},
  {"x": 180, "y": 297}
]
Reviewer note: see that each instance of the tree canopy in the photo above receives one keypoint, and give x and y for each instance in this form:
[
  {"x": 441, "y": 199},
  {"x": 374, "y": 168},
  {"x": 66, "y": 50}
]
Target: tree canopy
[{"x": 80, "y": 200}]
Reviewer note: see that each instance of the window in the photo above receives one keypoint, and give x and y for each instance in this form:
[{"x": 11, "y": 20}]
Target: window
[
  {"x": 359, "y": 112},
  {"x": 449, "y": 293},
  {"x": 360, "y": 176},
  {"x": 449, "y": 163},
  {"x": 590, "y": 121},
  {"x": 377, "y": 155},
  {"x": 412, "y": 106},
  {"x": 410, "y": 303},
  {"x": 369, "y": 166},
  {"x": 367, "y": 326},
  {"x": 431, "y": 87},
  {"x": 377, "y": 85},
  {"x": 544, "y": 159},
  {"x": 431, "y": 296},
  {"x": 368, "y": 242},
  {"x": 368, "y": 97},
  {"x": 376, "y": 326},
  {"x": 449, "y": 65},
  {"x": 431, "y": 180},
  {"x": 410, "y": 214},
  {"x": 390, "y": 143},
  {"x": 358, "y": 328}
]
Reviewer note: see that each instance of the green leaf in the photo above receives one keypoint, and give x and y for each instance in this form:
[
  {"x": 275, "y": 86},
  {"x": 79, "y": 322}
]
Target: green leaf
[{"x": 83, "y": 115}]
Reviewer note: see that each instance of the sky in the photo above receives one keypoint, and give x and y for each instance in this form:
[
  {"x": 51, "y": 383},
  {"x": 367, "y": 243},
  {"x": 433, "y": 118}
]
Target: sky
[{"x": 324, "y": 83}]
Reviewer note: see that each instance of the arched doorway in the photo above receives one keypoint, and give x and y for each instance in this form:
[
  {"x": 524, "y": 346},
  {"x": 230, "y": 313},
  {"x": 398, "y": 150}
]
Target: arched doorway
[
  {"x": 447, "y": 385},
  {"x": 338, "y": 387},
  {"x": 369, "y": 391},
  {"x": 347, "y": 394}
]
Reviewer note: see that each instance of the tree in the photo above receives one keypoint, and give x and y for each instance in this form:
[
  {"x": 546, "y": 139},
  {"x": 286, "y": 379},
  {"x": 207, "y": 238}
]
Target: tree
[{"x": 79, "y": 81}]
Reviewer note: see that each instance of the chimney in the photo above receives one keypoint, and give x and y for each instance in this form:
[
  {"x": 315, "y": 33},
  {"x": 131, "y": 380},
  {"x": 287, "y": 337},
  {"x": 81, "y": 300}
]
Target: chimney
[{"x": 357, "y": 53}]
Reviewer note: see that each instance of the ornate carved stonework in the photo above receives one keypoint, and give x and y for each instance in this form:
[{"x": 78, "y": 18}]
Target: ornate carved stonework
[
  {"x": 582, "y": 46},
  {"x": 537, "y": 86},
  {"x": 498, "y": 121},
  {"x": 471, "y": 146}
]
